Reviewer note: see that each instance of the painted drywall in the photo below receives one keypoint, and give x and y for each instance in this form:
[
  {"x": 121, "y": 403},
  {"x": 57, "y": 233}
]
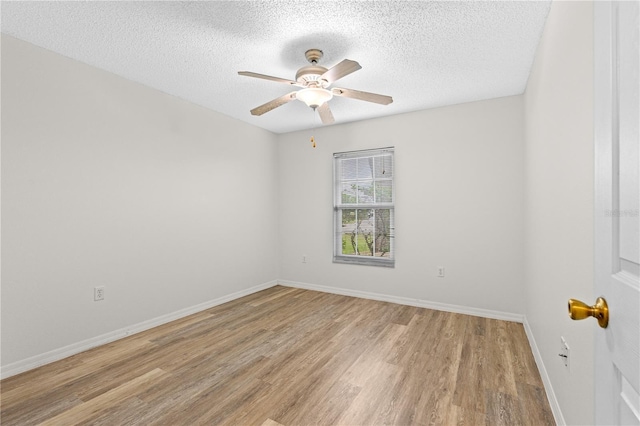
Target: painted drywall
[
  {"x": 559, "y": 173},
  {"x": 459, "y": 205},
  {"x": 109, "y": 183}
]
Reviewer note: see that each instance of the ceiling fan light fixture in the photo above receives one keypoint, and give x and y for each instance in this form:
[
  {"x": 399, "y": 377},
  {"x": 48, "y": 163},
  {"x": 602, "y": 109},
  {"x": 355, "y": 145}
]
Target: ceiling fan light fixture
[{"x": 314, "y": 96}]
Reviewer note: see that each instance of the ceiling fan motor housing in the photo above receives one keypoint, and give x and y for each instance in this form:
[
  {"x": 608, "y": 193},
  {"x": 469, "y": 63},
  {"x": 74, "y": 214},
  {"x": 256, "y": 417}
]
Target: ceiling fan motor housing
[{"x": 310, "y": 76}]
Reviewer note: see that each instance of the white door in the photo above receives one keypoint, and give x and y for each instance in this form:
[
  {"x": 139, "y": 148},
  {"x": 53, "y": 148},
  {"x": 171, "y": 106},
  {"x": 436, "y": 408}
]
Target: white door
[{"x": 617, "y": 221}]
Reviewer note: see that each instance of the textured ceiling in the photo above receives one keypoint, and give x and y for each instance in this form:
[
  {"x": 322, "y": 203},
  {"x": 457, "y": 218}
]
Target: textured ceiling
[{"x": 424, "y": 54}]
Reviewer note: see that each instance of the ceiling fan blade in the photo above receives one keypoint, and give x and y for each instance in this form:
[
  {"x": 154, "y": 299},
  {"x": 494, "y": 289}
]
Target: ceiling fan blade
[
  {"x": 268, "y": 77},
  {"x": 363, "y": 96},
  {"x": 325, "y": 114},
  {"x": 340, "y": 70},
  {"x": 273, "y": 104}
]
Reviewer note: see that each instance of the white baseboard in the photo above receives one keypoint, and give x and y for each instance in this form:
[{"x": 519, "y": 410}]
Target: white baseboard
[
  {"x": 75, "y": 348},
  {"x": 551, "y": 396},
  {"x": 486, "y": 313}
]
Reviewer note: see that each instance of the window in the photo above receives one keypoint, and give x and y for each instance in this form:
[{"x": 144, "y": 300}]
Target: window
[{"x": 364, "y": 207}]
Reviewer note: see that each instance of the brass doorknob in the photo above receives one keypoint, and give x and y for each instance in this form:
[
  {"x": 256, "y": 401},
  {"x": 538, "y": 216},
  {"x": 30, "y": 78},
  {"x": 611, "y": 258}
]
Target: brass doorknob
[{"x": 579, "y": 310}]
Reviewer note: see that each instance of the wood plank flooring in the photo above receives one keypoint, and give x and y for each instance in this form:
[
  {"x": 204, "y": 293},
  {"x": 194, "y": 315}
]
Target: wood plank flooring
[{"x": 289, "y": 357}]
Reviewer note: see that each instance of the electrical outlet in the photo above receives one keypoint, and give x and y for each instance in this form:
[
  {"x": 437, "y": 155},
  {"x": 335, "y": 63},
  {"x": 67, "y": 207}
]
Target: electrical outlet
[
  {"x": 304, "y": 258},
  {"x": 98, "y": 293},
  {"x": 565, "y": 352},
  {"x": 440, "y": 271}
]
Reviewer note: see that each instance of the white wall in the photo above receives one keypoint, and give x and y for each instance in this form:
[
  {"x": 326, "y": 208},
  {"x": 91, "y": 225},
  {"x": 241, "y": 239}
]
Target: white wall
[
  {"x": 559, "y": 202},
  {"x": 458, "y": 204},
  {"x": 106, "y": 182},
  {"x": 109, "y": 183}
]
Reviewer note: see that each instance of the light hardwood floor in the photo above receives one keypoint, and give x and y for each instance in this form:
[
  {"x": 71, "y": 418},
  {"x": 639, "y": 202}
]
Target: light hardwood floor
[{"x": 293, "y": 357}]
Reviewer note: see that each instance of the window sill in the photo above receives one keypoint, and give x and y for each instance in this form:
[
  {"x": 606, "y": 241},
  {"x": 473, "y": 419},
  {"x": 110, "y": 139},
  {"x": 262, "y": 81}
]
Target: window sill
[{"x": 367, "y": 261}]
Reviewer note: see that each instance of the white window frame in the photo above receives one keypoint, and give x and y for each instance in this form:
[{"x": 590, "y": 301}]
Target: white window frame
[{"x": 339, "y": 206}]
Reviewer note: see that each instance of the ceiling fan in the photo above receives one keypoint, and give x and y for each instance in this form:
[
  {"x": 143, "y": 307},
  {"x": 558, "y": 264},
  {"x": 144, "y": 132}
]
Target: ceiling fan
[{"x": 315, "y": 81}]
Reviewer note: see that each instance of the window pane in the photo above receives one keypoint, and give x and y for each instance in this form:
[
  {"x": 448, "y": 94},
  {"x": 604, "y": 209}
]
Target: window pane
[
  {"x": 384, "y": 191},
  {"x": 348, "y": 232},
  {"x": 349, "y": 168},
  {"x": 384, "y": 166},
  {"x": 365, "y": 228},
  {"x": 365, "y": 168},
  {"x": 365, "y": 192},
  {"x": 348, "y": 219},
  {"x": 349, "y": 193},
  {"x": 383, "y": 232},
  {"x": 354, "y": 243}
]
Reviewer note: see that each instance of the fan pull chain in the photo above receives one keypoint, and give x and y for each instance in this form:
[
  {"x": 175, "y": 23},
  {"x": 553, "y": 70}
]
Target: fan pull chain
[{"x": 313, "y": 141}]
